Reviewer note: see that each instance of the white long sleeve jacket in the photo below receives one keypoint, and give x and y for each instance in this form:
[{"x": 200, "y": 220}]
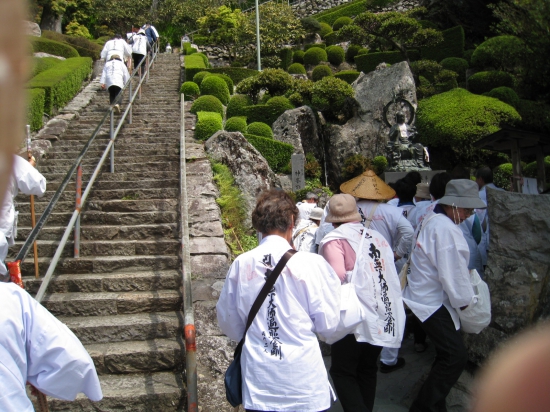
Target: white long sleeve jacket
[
  {"x": 116, "y": 46},
  {"x": 114, "y": 73}
]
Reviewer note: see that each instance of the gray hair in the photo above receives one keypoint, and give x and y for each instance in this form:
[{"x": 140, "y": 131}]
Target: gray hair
[{"x": 311, "y": 195}]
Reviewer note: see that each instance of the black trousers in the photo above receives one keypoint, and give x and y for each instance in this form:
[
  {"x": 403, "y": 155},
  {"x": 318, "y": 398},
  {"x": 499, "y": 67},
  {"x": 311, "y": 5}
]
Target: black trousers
[
  {"x": 353, "y": 371},
  {"x": 113, "y": 93},
  {"x": 137, "y": 60},
  {"x": 450, "y": 360}
]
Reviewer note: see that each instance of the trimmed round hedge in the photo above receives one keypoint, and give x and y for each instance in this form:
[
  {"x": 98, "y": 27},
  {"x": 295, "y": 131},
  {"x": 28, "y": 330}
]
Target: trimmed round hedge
[
  {"x": 199, "y": 77},
  {"x": 204, "y": 59},
  {"x": 215, "y": 86},
  {"x": 207, "y": 103},
  {"x": 260, "y": 129},
  {"x": 504, "y": 94},
  {"x": 320, "y": 72},
  {"x": 341, "y": 22},
  {"x": 190, "y": 90},
  {"x": 298, "y": 56},
  {"x": 335, "y": 55},
  {"x": 280, "y": 104},
  {"x": 457, "y": 65},
  {"x": 500, "y": 52},
  {"x": 483, "y": 82},
  {"x": 227, "y": 80},
  {"x": 314, "y": 56},
  {"x": 310, "y": 24},
  {"x": 237, "y": 104},
  {"x": 502, "y": 175},
  {"x": 320, "y": 45},
  {"x": 331, "y": 38},
  {"x": 208, "y": 123},
  {"x": 351, "y": 52},
  {"x": 297, "y": 68},
  {"x": 330, "y": 94},
  {"x": 236, "y": 124},
  {"x": 325, "y": 29},
  {"x": 348, "y": 76}
]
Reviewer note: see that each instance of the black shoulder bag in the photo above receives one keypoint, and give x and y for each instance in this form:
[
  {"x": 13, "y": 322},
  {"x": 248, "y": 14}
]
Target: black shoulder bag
[{"x": 233, "y": 376}]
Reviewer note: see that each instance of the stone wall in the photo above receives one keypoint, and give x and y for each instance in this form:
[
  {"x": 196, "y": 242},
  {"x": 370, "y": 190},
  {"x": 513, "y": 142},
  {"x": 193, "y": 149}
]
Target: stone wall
[{"x": 518, "y": 268}]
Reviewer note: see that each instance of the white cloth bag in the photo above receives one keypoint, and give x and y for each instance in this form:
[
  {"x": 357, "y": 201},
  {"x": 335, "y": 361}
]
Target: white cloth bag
[{"x": 477, "y": 315}]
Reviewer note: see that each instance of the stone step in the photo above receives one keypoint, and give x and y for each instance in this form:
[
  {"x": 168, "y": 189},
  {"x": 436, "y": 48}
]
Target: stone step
[
  {"x": 123, "y": 328},
  {"x": 119, "y": 167},
  {"x": 137, "y": 356},
  {"x": 120, "y": 150},
  {"x": 105, "y": 218},
  {"x": 117, "y": 205},
  {"x": 108, "y": 282},
  {"x": 126, "y": 138},
  {"x": 111, "y": 303},
  {"x": 101, "y": 194},
  {"x": 102, "y": 264},
  {"x": 117, "y": 176},
  {"x": 107, "y": 184},
  {"x": 150, "y": 392},
  {"x": 124, "y": 157}
]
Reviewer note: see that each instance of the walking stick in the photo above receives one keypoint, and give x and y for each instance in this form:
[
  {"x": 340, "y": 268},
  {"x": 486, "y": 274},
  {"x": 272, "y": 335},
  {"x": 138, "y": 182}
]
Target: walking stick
[{"x": 33, "y": 216}]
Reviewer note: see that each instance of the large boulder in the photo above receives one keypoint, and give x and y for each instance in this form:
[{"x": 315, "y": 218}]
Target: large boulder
[
  {"x": 367, "y": 132},
  {"x": 518, "y": 268},
  {"x": 298, "y": 127},
  {"x": 249, "y": 168},
  {"x": 32, "y": 29}
]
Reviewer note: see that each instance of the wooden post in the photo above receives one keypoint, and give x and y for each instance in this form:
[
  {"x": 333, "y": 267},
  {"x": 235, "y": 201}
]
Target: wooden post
[
  {"x": 516, "y": 167},
  {"x": 541, "y": 173}
]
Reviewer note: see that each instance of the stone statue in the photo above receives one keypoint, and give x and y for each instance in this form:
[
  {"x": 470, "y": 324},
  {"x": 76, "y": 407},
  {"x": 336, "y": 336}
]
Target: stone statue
[{"x": 403, "y": 155}]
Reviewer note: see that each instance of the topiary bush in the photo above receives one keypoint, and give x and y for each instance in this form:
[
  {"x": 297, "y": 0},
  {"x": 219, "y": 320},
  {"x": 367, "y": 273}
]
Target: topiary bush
[
  {"x": 379, "y": 164},
  {"x": 502, "y": 175},
  {"x": 279, "y": 104},
  {"x": 457, "y": 65},
  {"x": 296, "y": 68},
  {"x": 236, "y": 124},
  {"x": 351, "y": 52},
  {"x": 237, "y": 74},
  {"x": 204, "y": 58},
  {"x": 199, "y": 77},
  {"x": 314, "y": 56},
  {"x": 320, "y": 72},
  {"x": 286, "y": 58},
  {"x": 298, "y": 56},
  {"x": 273, "y": 81},
  {"x": 269, "y": 112},
  {"x": 341, "y": 22},
  {"x": 332, "y": 38},
  {"x": 329, "y": 95},
  {"x": 194, "y": 63},
  {"x": 300, "y": 92},
  {"x": 227, "y": 80},
  {"x": 53, "y": 47},
  {"x": 207, "y": 103},
  {"x": 347, "y": 9},
  {"x": 215, "y": 86},
  {"x": 276, "y": 153},
  {"x": 310, "y": 25},
  {"x": 84, "y": 46},
  {"x": 504, "y": 94},
  {"x": 208, "y": 123},
  {"x": 237, "y": 104},
  {"x": 451, "y": 46},
  {"x": 41, "y": 64},
  {"x": 190, "y": 90},
  {"x": 320, "y": 45},
  {"x": 368, "y": 62},
  {"x": 271, "y": 62},
  {"x": 35, "y": 108},
  {"x": 325, "y": 29},
  {"x": 260, "y": 129},
  {"x": 335, "y": 55},
  {"x": 501, "y": 53},
  {"x": 482, "y": 82},
  {"x": 349, "y": 76}
]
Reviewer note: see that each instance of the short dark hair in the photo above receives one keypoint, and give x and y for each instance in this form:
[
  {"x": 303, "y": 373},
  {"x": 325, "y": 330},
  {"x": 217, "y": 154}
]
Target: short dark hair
[
  {"x": 460, "y": 172},
  {"x": 438, "y": 184},
  {"x": 274, "y": 211},
  {"x": 413, "y": 178},
  {"x": 404, "y": 190},
  {"x": 486, "y": 174},
  {"x": 118, "y": 36}
]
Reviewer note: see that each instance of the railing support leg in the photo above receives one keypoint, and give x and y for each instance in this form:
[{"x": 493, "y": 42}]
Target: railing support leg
[
  {"x": 78, "y": 207},
  {"x": 139, "y": 86},
  {"x": 113, "y": 145},
  {"x": 147, "y": 68},
  {"x": 130, "y": 103}
]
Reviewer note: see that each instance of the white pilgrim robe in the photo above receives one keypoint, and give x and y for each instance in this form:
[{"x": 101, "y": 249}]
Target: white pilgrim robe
[
  {"x": 304, "y": 209},
  {"x": 303, "y": 236},
  {"x": 282, "y": 365},
  {"x": 37, "y": 348},
  {"x": 417, "y": 214},
  {"x": 29, "y": 181},
  {"x": 3, "y": 254},
  {"x": 116, "y": 46},
  {"x": 439, "y": 272}
]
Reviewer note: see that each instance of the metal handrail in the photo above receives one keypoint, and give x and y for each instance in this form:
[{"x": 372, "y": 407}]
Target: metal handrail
[{"x": 77, "y": 166}]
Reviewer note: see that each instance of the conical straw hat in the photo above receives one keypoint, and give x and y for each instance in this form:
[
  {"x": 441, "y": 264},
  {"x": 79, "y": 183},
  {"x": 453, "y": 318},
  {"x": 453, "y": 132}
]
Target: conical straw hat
[{"x": 368, "y": 186}]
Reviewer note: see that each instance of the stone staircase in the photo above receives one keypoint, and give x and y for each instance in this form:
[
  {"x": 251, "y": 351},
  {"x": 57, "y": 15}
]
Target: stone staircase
[{"x": 122, "y": 297}]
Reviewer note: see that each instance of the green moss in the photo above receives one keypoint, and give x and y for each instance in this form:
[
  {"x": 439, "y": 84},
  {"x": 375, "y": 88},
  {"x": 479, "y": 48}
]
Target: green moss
[
  {"x": 298, "y": 56},
  {"x": 457, "y": 65},
  {"x": 504, "y": 94},
  {"x": 482, "y": 82},
  {"x": 208, "y": 123},
  {"x": 276, "y": 153},
  {"x": 314, "y": 56},
  {"x": 260, "y": 129},
  {"x": 341, "y": 22},
  {"x": 335, "y": 55},
  {"x": 451, "y": 46},
  {"x": 320, "y": 72},
  {"x": 207, "y": 104},
  {"x": 53, "y": 47},
  {"x": 190, "y": 90},
  {"x": 349, "y": 76},
  {"x": 215, "y": 86},
  {"x": 35, "y": 108},
  {"x": 237, "y": 104},
  {"x": 236, "y": 124},
  {"x": 297, "y": 68}
]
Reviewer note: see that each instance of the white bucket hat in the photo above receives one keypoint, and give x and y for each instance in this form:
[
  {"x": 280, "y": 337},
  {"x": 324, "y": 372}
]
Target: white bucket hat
[
  {"x": 341, "y": 209},
  {"x": 316, "y": 214},
  {"x": 462, "y": 193}
]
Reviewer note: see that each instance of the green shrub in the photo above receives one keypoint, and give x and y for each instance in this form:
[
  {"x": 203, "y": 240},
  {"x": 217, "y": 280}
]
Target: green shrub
[
  {"x": 458, "y": 118},
  {"x": 379, "y": 164},
  {"x": 187, "y": 49},
  {"x": 504, "y": 94},
  {"x": 329, "y": 95},
  {"x": 325, "y": 29},
  {"x": 502, "y": 175},
  {"x": 227, "y": 80},
  {"x": 62, "y": 82},
  {"x": 425, "y": 68},
  {"x": 194, "y": 63},
  {"x": 204, "y": 58},
  {"x": 296, "y": 68},
  {"x": 320, "y": 72},
  {"x": 53, "y": 47},
  {"x": 354, "y": 165},
  {"x": 274, "y": 81},
  {"x": 237, "y": 105},
  {"x": 199, "y": 77},
  {"x": 468, "y": 55},
  {"x": 207, "y": 104},
  {"x": 349, "y": 76},
  {"x": 347, "y": 9},
  {"x": 367, "y": 62},
  {"x": 190, "y": 90},
  {"x": 457, "y": 65},
  {"x": 362, "y": 51},
  {"x": 236, "y": 124},
  {"x": 451, "y": 46},
  {"x": 35, "y": 108},
  {"x": 534, "y": 116},
  {"x": 260, "y": 129},
  {"x": 298, "y": 56},
  {"x": 271, "y": 62},
  {"x": 300, "y": 92},
  {"x": 311, "y": 25},
  {"x": 332, "y": 38},
  {"x": 314, "y": 56},
  {"x": 237, "y": 74},
  {"x": 335, "y": 55},
  {"x": 427, "y": 24},
  {"x": 41, "y": 64},
  {"x": 500, "y": 53},
  {"x": 351, "y": 52},
  {"x": 530, "y": 170},
  {"x": 200, "y": 40},
  {"x": 341, "y": 22},
  {"x": 482, "y": 82},
  {"x": 269, "y": 112},
  {"x": 215, "y": 86},
  {"x": 208, "y": 123},
  {"x": 320, "y": 45},
  {"x": 276, "y": 153},
  {"x": 312, "y": 168},
  {"x": 84, "y": 46},
  {"x": 279, "y": 104},
  {"x": 286, "y": 57}
]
